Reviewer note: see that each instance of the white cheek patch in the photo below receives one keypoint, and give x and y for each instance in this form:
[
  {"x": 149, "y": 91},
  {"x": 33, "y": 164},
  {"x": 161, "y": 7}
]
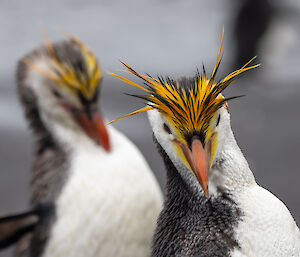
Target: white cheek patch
[
  {"x": 51, "y": 111},
  {"x": 222, "y": 129},
  {"x": 40, "y": 86},
  {"x": 43, "y": 86},
  {"x": 171, "y": 137},
  {"x": 165, "y": 140}
]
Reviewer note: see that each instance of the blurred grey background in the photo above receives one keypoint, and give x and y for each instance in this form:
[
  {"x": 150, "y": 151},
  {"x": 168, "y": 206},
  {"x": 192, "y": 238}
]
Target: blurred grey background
[{"x": 170, "y": 37}]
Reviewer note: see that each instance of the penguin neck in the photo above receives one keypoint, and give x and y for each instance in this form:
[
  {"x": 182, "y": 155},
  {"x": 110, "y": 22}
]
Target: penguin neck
[
  {"x": 230, "y": 170},
  {"x": 51, "y": 159},
  {"x": 70, "y": 136},
  {"x": 43, "y": 138},
  {"x": 189, "y": 218},
  {"x": 57, "y": 134}
]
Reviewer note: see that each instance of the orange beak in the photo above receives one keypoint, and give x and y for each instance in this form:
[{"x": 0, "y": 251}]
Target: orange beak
[
  {"x": 94, "y": 128},
  {"x": 199, "y": 160}
]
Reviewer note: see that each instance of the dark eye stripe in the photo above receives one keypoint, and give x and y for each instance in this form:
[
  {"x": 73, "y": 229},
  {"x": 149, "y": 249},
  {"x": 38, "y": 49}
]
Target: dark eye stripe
[
  {"x": 218, "y": 121},
  {"x": 167, "y": 129}
]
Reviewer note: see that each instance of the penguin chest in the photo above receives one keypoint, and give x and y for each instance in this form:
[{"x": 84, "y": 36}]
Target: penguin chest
[
  {"x": 267, "y": 228},
  {"x": 107, "y": 208}
]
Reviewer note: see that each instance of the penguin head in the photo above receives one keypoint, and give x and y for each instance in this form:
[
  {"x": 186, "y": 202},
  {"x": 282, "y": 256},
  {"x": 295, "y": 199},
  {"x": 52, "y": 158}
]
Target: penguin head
[
  {"x": 65, "y": 80},
  {"x": 189, "y": 118}
]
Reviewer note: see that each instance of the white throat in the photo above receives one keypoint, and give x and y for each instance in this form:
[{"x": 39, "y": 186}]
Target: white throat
[
  {"x": 73, "y": 138},
  {"x": 67, "y": 133},
  {"x": 230, "y": 170}
]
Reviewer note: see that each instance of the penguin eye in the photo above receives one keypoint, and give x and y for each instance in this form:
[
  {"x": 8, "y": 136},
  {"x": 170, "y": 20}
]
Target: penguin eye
[
  {"x": 218, "y": 120},
  {"x": 167, "y": 129},
  {"x": 58, "y": 95}
]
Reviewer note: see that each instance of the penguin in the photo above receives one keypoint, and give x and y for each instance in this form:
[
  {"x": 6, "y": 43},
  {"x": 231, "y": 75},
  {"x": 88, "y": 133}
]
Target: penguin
[
  {"x": 213, "y": 206},
  {"x": 105, "y": 197}
]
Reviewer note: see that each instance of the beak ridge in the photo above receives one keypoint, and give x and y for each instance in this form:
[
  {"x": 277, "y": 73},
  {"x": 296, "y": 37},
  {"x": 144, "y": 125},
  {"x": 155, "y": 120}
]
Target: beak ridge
[
  {"x": 199, "y": 160},
  {"x": 201, "y": 165}
]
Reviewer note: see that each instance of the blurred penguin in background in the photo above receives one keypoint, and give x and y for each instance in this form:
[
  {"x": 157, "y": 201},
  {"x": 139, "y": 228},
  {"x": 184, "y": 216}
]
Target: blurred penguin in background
[{"x": 100, "y": 197}]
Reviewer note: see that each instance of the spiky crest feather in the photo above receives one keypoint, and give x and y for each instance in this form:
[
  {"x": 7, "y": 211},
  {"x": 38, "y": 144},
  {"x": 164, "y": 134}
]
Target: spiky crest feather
[
  {"x": 190, "y": 108},
  {"x": 64, "y": 75}
]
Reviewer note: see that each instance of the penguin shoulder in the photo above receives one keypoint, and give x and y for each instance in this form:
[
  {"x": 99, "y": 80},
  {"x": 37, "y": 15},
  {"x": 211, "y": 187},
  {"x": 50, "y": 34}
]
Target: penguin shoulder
[{"x": 267, "y": 228}]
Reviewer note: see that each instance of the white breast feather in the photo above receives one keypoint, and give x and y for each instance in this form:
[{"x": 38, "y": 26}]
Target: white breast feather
[
  {"x": 109, "y": 204},
  {"x": 267, "y": 228}
]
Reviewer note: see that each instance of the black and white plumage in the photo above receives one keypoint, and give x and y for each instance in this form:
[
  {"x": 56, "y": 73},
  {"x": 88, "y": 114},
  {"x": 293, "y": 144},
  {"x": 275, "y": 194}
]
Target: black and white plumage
[
  {"x": 238, "y": 218},
  {"x": 192, "y": 225},
  {"x": 213, "y": 206},
  {"x": 105, "y": 197}
]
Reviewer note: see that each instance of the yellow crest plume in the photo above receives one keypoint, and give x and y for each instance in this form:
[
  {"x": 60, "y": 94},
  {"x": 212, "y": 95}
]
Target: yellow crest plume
[
  {"x": 188, "y": 103},
  {"x": 62, "y": 73}
]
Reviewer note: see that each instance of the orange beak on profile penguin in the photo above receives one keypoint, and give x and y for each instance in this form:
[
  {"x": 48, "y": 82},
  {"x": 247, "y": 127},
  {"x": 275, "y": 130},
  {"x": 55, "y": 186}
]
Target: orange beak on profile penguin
[
  {"x": 189, "y": 105},
  {"x": 94, "y": 127},
  {"x": 79, "y": 82}
]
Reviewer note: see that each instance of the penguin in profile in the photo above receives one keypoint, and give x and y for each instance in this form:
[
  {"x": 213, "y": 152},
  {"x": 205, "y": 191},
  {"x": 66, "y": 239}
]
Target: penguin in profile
[{"x": 105, "y": 199}]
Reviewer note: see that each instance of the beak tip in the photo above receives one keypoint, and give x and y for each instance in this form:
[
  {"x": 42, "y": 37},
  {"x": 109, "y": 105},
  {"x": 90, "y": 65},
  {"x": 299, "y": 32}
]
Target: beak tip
[
  {"x": 106, "y": 147},
  {"x": 205, "y": 189}
]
